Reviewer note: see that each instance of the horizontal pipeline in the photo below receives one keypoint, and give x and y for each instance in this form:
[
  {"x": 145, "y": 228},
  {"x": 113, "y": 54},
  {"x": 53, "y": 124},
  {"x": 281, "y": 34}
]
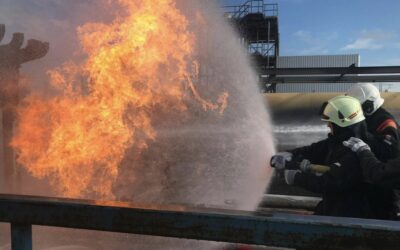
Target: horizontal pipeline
[{"x": 334, "y": 71}]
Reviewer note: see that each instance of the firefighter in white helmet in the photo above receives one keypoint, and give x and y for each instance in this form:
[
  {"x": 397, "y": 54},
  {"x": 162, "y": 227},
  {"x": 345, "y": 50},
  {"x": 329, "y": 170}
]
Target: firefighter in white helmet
[
  {"x": 380, "y": 123},
  {"x": 342, "y": 187},
  {"x": 384, "y": 144}
]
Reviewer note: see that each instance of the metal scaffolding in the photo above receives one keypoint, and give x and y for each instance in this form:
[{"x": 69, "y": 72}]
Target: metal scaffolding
[
  {"x": 12, "y": 56},
  {"x": 257, "y": 25}
]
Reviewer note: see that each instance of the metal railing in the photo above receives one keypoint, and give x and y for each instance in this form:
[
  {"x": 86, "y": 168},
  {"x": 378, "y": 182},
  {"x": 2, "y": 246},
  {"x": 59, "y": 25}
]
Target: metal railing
[
  {"x": 252, "y": 6},
  {"x": 272, "y": 229},
  {"x": 264, "y": 48},
  {"x": 350, "y": 74}
]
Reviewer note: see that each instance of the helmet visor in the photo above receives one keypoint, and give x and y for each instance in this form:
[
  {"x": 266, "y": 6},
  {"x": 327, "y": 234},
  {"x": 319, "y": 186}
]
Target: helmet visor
[
  {"x": 322, "y": 109},
  {"x": 323, "y": 113}
]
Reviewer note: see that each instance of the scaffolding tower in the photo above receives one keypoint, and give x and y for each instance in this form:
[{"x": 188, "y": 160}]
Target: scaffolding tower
[{"x": 257, "y": 24}]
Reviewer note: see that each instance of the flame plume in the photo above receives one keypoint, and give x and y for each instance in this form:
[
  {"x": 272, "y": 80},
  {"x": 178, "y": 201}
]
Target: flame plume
[{"x": 140, "y": 63}]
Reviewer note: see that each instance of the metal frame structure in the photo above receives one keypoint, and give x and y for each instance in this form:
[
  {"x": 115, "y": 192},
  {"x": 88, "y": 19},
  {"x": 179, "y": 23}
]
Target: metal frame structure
[
  {"x": 12, "y": 56},
  {"x": 273, "y": 229},
  {"x": 257, "y": 24},
  {"x": 351, "y": 74}
]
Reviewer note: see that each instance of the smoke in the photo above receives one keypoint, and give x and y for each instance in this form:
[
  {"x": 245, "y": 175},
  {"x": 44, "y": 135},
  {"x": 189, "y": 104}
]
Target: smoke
[
  {"x": 208, "y": 159},
  {"x": 54, "y": 21},
  {"x": 201, "y": 158}
]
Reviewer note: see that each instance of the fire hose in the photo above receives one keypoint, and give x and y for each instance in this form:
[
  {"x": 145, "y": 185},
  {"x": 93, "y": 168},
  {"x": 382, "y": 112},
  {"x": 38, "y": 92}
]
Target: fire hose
[
  {"x": 319, "y": 169},
  {"x": 305, "y": 165}
]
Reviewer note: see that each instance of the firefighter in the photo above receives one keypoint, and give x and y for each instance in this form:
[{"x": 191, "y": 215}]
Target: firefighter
[
  {"x": 342, "y": 186},
  {"x": 380, "y": 123},
  {"x": 384, "y": 175},
  {"x": 375, "y": 171},
  {"x": 383, "y": 141}
]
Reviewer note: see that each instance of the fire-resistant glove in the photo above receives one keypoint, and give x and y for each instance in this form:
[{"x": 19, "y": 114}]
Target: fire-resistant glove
[
  {"x": 290, "y": 175},
  {"x": 279, "y": 160},
  {"x": 356, "y": 145},
  {"x": 305, "y": 166}
]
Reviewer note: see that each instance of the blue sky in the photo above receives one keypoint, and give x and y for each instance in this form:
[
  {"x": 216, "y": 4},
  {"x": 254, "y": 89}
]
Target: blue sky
[
  {"x": 370, "y": 28},
  {"x": 320, "y": 27}
]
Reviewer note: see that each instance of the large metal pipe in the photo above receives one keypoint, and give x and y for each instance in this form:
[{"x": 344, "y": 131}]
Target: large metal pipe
[
  {"x": 289, "y": 202},
  {"x": 333, "y": 79},
  {"x": 282, "y": 102}
]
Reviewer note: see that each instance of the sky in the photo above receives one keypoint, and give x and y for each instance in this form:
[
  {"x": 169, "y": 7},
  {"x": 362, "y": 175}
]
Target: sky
[{"x": 369, "y": 28}]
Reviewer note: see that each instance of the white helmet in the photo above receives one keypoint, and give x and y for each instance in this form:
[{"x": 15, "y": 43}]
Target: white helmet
[{"x": 368, "y": 95}]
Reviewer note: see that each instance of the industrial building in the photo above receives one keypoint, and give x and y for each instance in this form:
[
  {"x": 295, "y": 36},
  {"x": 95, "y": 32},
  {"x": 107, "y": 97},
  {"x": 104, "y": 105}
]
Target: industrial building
[{"x": 323, "y": 61}]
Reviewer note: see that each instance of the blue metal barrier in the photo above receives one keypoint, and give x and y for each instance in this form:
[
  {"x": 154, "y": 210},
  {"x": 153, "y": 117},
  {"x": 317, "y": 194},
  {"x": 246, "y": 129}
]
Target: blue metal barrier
[{"x": 274, "y": 229}]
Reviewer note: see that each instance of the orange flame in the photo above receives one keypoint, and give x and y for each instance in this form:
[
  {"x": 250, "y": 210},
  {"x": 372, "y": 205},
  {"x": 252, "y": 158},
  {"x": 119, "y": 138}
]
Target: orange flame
[{"x": 141, "y": 62}]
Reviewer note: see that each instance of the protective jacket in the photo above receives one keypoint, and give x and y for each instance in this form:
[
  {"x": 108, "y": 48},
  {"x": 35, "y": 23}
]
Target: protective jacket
[
  {"x": 379, "y": 173},
  {"x": 384, "y": 128},
  {"x": 385, "y": 178},
  {"x": 384, "y": 143},
  {"x": 342, "y": 187}
]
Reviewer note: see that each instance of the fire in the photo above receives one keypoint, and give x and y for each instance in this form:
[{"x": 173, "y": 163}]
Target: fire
[{"x": 141, "y": 63}]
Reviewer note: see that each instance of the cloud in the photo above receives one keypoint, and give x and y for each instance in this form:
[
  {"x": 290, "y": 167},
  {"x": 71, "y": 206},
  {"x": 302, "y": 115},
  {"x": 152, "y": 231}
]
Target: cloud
[
  {"x": 371, "y": 40},
  {"x": 363, "y": 43},
  {"x": 315, "y": 51},
  {"x": 305, "y": 36},
  {"x": 396, "y": 45},
  {"x": 392, "y": 62},
  {"x": 314, "y": 44}
]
